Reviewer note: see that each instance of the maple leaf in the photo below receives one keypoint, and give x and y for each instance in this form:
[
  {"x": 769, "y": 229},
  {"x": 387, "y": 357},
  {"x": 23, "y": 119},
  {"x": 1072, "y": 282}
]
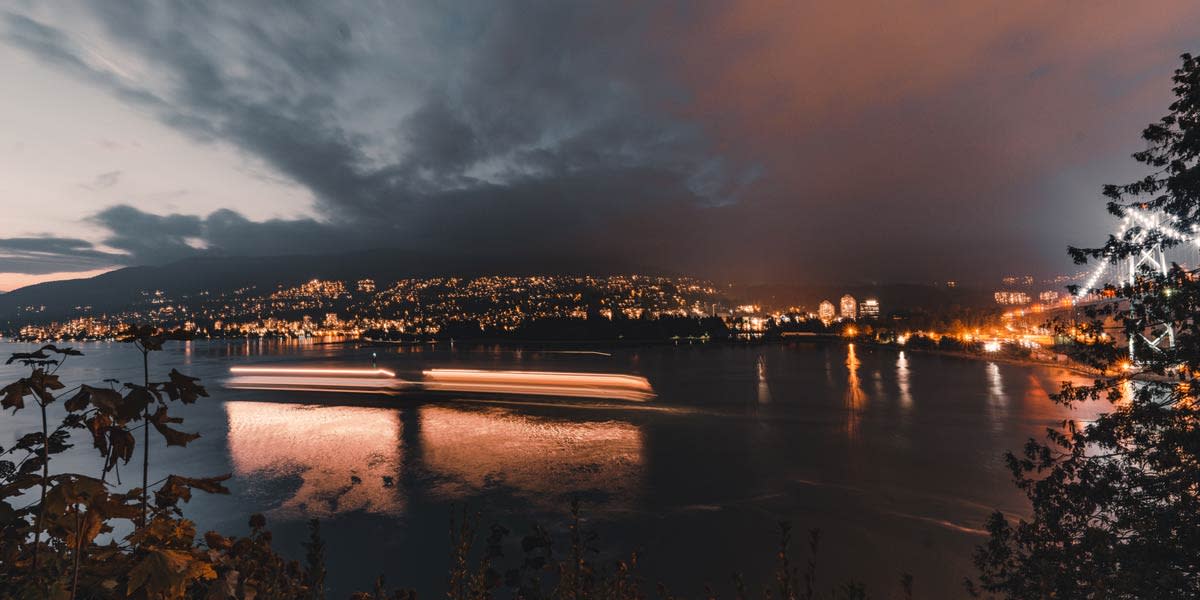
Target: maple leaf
[
  {"x": 62, "y": 351},
  {"x": 14, "y": 395},
  {"x": 26, "y": 356},
  {"x": 179, "y": 488},
  {"x": 114, "y": 442},
  {"x": 106, "y": 400},
  {"x": 135, "y": 402},
  {"x": 174, "y": 437},
  {"x": 183, "y": 387},
  {"x": 165, "y": 573}
]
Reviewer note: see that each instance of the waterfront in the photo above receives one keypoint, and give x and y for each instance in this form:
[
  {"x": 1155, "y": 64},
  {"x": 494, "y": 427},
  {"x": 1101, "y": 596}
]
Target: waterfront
[{"x": 897, "y": 457}]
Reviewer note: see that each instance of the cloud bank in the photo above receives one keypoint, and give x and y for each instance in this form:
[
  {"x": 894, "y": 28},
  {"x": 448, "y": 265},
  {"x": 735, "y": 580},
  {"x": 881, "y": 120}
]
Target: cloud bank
[{"x": 761, "y": 140}]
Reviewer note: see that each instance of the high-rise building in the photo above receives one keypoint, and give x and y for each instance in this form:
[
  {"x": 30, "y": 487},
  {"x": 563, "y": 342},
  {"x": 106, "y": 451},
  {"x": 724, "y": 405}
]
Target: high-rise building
[
  {"x": 826, "y": 312},
  {"x": 868, "y": 309},
  {"x": 849, "y": 307},
  {"x": 1011, "y": 297}
]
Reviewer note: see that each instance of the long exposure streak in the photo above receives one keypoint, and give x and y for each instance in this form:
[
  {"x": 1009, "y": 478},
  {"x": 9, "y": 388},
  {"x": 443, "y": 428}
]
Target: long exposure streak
[{"x": 381, "y": 381}]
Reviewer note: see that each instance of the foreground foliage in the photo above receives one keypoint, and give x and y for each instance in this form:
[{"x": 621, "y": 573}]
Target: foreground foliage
[
  {"x": 1116, "y": 502},
  {"x": 59, "y": 531}
]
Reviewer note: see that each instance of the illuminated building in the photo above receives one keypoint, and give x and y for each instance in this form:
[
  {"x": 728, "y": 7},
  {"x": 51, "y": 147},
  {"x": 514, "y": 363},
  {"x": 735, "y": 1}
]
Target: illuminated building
[
  {"x": 869, "y": 309},
  {"x": 826, "y": 312},
  {"x": 1011, "y": 298},
  {"x": 1048, "y": 296},
  {"x": 849, "y": 307}
]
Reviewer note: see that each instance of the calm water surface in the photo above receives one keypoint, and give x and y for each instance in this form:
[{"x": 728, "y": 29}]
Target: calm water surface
[{"x": 895, "y": 456}]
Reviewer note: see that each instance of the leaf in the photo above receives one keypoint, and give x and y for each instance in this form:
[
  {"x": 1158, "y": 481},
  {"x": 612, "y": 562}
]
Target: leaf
[
  {"x": 166, "y": 573},
  {"x": 105, "y": 400},
  {"x": 22, "y": 481},
  {"x": 7, "y": 514},
  {"x": 225, "y": 589},
  {"x": 114, "y": 442},
  {"x": 179, "y": 488},
  {"x": 41, "y": 383},
  {"x": 29, "y": 441},
  {"x": 14, "y": 395},
  {"x": 135, "y": 403},
  {"x": 62, "y": 351},
  {"x": 23, "y": 356},
  {"x": 174, "y": 437},
  {"x": 183, "y": 387},
  {"x": 33, "y": 464},
  {"x": 146, "y": 336}
]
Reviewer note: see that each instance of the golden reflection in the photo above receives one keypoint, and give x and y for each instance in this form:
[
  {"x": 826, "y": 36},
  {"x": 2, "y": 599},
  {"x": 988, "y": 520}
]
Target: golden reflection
[
  {"x": 346, "y": 458},
  {"x": 764, "y": 390},
  {"x": 997, "y": 398},
  {"x": 902, "y": 375},
  {"x": 542, "y": 460},
  {"x": 855, "y": 396}
]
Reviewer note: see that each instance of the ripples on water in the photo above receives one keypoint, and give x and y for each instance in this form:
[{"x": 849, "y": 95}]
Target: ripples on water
[{"x": 895, "y": 455}]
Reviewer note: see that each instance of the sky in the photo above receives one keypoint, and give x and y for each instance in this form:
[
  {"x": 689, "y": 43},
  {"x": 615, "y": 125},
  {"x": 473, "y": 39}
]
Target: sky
[{"x": 751, "y": 141}]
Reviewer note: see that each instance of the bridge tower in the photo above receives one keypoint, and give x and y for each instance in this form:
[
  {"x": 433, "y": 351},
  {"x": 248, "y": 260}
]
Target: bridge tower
[{"x": 1154, "y": 333}]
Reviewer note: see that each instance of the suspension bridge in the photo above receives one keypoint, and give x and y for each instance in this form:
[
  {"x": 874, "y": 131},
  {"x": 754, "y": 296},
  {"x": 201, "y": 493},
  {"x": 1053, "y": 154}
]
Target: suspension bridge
[{"x": 1159, "y": 243}]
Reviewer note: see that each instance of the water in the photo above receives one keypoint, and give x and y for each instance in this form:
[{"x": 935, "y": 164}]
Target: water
[{"x": 896, "y": 456}]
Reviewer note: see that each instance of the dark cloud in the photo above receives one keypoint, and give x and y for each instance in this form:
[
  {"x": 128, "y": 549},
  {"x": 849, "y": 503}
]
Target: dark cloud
[
  {"x": 147, "y": 238},
  {"x": 752, "y": 139},
  {"x": 47, "y": 254}
]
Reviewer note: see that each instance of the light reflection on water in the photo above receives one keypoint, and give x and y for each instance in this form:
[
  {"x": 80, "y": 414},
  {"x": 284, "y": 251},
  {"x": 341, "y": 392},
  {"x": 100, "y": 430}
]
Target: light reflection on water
[
  {"x": 340, "y": 454},
  {"x": 349, "y": 458},
  {"x": 764, "y": 388},
  {"x": 541, "y": 460},
  {"x": 997, "y": 399},
  {"x": 856, "y": 398},
  {"x": 902, "y": 373}
]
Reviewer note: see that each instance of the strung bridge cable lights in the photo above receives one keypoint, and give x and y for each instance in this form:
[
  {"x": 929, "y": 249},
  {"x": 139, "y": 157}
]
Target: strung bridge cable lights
[{"x": 1148, "y": 257}]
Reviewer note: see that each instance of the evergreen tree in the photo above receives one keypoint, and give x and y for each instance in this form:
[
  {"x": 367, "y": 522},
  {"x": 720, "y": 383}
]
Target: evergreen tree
[{"x": 1116, "y": 502}]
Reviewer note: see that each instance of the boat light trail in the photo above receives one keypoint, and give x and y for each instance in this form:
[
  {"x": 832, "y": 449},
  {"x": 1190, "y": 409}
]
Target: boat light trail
[
  {"x": 540, "y": 383},
  {"x": 310, "y": 371},
  {"x": 309, "y": 379},
  {"x": 470, "y": 381}
]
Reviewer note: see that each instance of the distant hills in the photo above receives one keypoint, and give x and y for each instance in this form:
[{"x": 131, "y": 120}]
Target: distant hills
[
  {"x": 120, "y": 289},
  {"x": 116, "y": 290}
]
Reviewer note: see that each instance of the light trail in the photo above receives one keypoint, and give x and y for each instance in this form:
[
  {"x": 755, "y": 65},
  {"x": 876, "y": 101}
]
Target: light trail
[
  {"x": 312, "y": 371},
  {"x": 538, "y": 377},
  {"x": 471, "y": 381},
  {"x": 540, "y": 383}
]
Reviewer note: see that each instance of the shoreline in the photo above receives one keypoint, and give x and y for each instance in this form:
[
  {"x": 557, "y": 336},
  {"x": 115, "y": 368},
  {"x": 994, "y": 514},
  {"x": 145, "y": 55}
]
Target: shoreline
[{"x": 627, "y": 343}]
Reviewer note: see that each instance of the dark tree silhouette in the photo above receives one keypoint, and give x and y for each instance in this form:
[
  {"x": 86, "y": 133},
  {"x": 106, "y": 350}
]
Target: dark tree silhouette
[{"x": 1116, "y": 502}]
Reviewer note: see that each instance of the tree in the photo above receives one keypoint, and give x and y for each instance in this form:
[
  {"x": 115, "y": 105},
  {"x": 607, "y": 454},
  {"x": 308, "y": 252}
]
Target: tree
[{"x": 1116, "y": 502}]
